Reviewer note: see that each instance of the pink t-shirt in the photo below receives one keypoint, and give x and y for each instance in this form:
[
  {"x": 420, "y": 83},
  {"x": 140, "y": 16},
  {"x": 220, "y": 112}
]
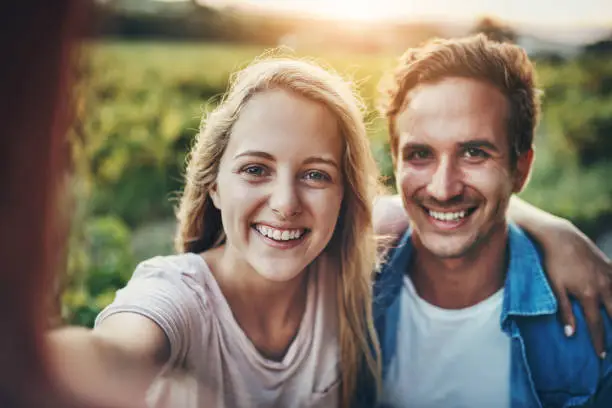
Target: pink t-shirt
[{"x": 212, "y": 361}]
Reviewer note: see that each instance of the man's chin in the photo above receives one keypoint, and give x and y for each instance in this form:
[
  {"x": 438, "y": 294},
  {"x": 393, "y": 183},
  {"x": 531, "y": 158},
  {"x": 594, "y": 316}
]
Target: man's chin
[
  {"x": 446, "y": 247},
  {"x": 450, "y": 254}
]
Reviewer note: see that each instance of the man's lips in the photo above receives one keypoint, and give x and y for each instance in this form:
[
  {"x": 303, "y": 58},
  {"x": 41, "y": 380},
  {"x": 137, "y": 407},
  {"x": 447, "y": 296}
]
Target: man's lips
[
  {"x": 448, "y": 219},
  {"x": 449, "y": 214}
]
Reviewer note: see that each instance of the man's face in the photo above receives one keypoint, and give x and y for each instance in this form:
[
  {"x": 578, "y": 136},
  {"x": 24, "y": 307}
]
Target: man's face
[{"x": 453, "y": 165}]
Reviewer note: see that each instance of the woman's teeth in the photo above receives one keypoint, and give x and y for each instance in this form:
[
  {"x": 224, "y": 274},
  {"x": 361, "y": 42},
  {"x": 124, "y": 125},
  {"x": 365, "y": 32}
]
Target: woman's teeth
[
  {"x": 447, "y": 216},
  {"x": 279, "y": 235}
]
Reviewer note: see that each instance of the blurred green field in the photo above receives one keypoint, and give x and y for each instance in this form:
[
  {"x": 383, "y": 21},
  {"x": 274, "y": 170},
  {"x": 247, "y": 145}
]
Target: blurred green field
[{"x": 140, "y": 105}]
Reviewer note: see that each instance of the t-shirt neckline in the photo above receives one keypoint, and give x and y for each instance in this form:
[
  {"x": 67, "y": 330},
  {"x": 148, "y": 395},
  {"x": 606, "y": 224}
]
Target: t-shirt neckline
[{"x": 293, "y": 354}]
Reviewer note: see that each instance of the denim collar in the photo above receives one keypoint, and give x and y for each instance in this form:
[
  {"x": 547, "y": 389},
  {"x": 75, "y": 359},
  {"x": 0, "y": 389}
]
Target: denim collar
[{"x": 526, "y": 289}]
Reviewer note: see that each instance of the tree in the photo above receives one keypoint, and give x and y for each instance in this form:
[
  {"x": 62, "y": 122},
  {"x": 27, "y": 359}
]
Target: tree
[
  {"x": 600, "y": 48},
  {"x": 495, "y": 30}
]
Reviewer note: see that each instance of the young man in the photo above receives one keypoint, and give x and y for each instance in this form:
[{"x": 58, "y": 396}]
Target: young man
[{"x": 464, "y": 311}]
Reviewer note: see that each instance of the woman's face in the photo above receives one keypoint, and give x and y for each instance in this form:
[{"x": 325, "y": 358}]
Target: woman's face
[{"x": 280, "y": 183}]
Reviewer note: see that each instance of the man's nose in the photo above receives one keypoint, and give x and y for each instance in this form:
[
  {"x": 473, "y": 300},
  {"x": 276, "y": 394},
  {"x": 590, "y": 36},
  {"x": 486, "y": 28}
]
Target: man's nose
[{"x": 445, "y": 182}]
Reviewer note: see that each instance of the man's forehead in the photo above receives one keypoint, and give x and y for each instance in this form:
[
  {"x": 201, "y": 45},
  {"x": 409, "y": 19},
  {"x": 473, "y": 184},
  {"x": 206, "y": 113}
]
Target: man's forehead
[
  {"x": 453, "y": 95},
  {"x": 455, "y": 107}
]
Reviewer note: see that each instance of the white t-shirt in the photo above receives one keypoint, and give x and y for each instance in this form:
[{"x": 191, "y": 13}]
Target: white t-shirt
[
  {"x": 449, "y": 358},
  {"x": 212, "y": 362}
]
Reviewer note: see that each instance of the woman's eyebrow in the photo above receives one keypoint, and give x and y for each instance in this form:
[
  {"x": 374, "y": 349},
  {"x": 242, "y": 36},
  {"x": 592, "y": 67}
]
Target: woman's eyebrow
[
  {"x": 255, "y": 153},
  {"x": 322, "y": 160}
]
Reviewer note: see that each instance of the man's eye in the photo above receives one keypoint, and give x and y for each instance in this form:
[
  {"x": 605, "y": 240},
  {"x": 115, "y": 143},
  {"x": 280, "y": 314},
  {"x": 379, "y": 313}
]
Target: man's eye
[
  {"x": 254, "y": 170},
  {"x": 475, "y": 153}
]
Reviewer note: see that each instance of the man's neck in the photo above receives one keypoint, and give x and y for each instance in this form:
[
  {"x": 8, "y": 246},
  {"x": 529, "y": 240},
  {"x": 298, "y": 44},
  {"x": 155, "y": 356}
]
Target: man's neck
[{"x": 457, "y": 283}]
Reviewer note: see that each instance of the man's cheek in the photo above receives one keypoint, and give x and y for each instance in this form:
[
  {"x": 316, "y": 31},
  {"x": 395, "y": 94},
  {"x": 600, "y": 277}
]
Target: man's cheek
[
  {"x": 487, "y": 178},
  {"x": 405, "y": 185},
  {"x": 412, "y": 180}
]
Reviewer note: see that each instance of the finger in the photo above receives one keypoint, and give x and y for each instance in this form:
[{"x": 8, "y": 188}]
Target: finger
[
  {"x": 566, "y": 314},
  {"x": 594, "y": 321},
  {"x": 607, "y": 301},
  {"x": 606, "y": 295}
]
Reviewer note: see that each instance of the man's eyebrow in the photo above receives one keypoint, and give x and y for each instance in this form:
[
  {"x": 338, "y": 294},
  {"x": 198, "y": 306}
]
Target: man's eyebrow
[
  {"x": 322, "y": 160},
  {"x": 255, "y": 153},
  {"x": 479, "y": 144}
]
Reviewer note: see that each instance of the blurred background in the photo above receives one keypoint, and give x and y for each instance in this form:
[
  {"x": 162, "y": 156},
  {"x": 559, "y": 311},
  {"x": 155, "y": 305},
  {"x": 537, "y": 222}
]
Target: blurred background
[{"x": 152, "y": 67}]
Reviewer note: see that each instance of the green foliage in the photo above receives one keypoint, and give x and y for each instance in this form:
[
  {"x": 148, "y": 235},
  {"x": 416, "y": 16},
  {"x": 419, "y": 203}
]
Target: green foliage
[
  {"x": 579, "y": 108},
  {"x": 140, "y": 105},
  {"x": 110, "y": 254},
  {"x": 572, "y": 168},
  {"x": 561, "y": 186},
  {"x": 106, "y": 265}
]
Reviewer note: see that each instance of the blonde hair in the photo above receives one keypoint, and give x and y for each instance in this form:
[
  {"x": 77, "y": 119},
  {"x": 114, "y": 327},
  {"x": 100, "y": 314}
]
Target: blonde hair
[{"x": 352, "y": 243}]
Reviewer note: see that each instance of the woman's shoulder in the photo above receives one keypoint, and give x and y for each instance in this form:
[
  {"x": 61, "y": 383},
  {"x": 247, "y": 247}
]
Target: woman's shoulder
[
  {"x": 173, "y": 268},
  {"x": 180, "y": 279},
  {"x": 170, "y": 290}
]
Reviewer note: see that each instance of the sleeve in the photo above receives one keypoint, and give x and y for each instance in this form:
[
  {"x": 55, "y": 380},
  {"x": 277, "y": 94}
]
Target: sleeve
[{"x": 160, "y": 291}]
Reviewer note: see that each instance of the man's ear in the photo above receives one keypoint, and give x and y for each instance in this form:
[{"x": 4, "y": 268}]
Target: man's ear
[
  {"x": 523, "y": 169},
  {"x": 214, "y": 195}
]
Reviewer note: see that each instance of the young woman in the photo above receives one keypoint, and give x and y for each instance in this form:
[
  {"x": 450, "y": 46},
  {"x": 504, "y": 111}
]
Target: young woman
[
  {"x": 270, "y": 294},
  {"x": 268, "y": 303}
]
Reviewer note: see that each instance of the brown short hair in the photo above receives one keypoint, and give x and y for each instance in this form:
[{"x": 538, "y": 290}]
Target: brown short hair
[{"x": 506, "y": 66}]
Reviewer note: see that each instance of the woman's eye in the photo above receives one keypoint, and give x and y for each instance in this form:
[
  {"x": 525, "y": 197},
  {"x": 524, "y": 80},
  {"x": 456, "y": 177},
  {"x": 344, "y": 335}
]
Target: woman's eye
[
  {"x": 316, "y": 175},
  {"x": 255, "y": 171}
]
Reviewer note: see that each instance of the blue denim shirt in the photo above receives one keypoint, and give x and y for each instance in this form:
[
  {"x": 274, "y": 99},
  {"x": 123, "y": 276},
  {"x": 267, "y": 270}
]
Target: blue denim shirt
[{"x": 547, "y": 368}]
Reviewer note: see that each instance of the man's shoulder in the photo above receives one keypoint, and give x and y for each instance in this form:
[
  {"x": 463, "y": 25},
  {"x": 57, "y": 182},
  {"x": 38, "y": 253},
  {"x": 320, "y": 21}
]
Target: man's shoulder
[
  {"x": 532, "y": 306},
  {"x": 563, "y": 367},
  {"x": 527, "y": 290},
  {"x": 524, "y": 248}
]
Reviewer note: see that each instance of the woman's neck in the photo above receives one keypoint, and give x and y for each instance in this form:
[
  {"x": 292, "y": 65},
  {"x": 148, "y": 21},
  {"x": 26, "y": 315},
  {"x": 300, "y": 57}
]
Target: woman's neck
[{"x": 268, "y": 312}]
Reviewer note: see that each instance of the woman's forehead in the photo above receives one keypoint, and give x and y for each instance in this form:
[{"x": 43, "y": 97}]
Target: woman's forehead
[{"x": 284, "y": 123}]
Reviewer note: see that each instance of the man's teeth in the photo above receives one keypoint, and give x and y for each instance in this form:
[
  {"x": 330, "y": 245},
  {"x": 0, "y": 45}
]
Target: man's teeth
[
  {"x": 280, "y": 235},
  {"x": 447, "y": 216}
]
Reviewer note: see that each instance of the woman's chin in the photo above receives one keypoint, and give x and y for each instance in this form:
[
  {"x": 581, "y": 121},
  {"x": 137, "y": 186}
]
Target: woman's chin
[{"x": 280, "y": 272}]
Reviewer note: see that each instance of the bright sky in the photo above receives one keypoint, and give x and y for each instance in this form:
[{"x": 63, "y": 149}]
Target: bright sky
[{"x": 547, "y": 12}]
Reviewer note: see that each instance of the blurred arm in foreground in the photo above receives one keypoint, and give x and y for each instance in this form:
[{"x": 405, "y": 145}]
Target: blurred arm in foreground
[
  {"x": 35, "y": 107},
  {"x": 109, "y": 366}
]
